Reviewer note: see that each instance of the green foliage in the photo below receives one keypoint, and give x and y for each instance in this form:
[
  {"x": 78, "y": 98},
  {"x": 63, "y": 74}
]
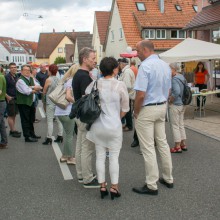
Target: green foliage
[{"x": 59, "y": 60}]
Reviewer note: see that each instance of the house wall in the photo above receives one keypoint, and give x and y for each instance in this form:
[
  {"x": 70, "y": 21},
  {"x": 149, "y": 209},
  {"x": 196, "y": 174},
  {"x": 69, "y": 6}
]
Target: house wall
[
  {"x": 55, "y": 53},
  {"x": 4, "y": 53},
  {"x": 96, "y": 43},
  {"x": 42, "y": 61},
  {"x": 76, "y": 54},
  {"x": 118, "y": 45}
]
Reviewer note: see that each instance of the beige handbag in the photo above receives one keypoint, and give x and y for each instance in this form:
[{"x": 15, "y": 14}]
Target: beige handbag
[{"x": 58, "y": 96}]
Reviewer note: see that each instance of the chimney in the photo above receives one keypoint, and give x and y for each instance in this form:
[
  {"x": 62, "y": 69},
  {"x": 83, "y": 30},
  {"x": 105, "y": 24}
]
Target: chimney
[
  {"x": 53, "y": 30},
  {"x": 9, "y": 43},
  {"x": 161, "y": 6}
]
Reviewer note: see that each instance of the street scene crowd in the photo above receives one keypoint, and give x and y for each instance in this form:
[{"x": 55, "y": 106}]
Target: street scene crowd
[{"x": 139, "y": 98}]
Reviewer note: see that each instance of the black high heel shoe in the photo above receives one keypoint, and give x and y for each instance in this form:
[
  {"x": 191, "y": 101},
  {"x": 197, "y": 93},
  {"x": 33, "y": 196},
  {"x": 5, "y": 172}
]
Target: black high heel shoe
[
  {"x": 115, "y": 194},
  {"x": 47, "y": 141},
  {"x": 59, "y": 139},
  {"x": 103, "y": 193}
]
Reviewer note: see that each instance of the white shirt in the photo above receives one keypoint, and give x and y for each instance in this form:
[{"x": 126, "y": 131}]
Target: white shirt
[
  {"x": 23, "y": 88},
  {"x": 106, "y": 131},
  {"x": 154, "y": 78},
  {"x": 128, "y": 77}
]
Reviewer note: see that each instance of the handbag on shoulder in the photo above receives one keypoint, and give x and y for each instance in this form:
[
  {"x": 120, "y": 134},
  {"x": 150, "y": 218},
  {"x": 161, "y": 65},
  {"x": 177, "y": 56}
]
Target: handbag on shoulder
[
  {"x": 58, "y": 96},
  {"x": 88, "y": 108}
]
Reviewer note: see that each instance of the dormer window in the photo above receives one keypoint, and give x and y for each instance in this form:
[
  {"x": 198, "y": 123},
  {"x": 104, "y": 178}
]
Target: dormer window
[
  {"x": 195, "y": 7},
  {"x": 178, "y": 7},
  {"x": 140, "y": 6}
]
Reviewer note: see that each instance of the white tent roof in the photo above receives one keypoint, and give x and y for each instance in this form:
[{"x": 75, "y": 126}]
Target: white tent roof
[{"x": 191, "y": 50}]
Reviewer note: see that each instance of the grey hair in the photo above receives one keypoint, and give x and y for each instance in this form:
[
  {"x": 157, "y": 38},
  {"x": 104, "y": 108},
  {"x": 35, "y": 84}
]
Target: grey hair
[
  {"x": 26, "y": 65},
  {"x": 84, "y": 53},
  {"x": 176, "y": 66}
]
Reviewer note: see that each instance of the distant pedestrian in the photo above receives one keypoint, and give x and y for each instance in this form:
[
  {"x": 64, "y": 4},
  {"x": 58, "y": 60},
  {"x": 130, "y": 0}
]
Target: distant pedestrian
[
  {"x": 42, "y": 75},
  {"x": 134, "y": 68},
  {"x": 128, "y": 77},
  {"x": 63, "y": 116},
  {"x": 106, "y": 131},
  {"x": 26, "y": 90},
  {"x": 84, "y": 147},
  {"x": 4, "y": 139},
  {"x": 201, "y": 78},
  {"x": 152, "y": 87},
  {"x": 36, "y": 82},
  {"x": 50, "y": 85},
  {"x": 12, "y": 108},
  {"x": 177, "y": 110}
]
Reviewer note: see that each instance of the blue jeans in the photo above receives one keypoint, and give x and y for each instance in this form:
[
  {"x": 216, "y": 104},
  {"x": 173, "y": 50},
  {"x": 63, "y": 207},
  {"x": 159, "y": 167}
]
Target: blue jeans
[{"x": 4, "y": 139}]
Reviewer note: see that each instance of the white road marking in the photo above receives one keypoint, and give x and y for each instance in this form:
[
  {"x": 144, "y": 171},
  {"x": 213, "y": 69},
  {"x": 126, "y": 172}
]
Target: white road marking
[
  {"x": 42, "y": 113},
  {"x": 63, "y": 166}
]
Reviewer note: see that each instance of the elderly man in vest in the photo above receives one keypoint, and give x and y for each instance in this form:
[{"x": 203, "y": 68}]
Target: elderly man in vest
[{"x": 26, "y": 90}]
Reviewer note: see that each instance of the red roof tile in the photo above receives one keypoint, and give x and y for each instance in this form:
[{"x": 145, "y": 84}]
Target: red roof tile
[
  {"x": 12, "y": 46},
  {"x": 29, "y": 46},
  {"x": 49, "y": 41},
  {"x": 102, "y": 18},
  {"x": 209, "y": 15},
  {"x": 134, "y": 20}
]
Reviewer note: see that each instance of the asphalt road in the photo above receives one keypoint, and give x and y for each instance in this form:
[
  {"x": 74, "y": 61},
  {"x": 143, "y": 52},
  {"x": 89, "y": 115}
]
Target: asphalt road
[{"x": 32, "y": 186}]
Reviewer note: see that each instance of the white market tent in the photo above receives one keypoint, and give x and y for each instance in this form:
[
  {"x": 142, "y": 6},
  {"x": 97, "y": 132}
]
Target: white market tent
[{"x": 192, "y": 50}]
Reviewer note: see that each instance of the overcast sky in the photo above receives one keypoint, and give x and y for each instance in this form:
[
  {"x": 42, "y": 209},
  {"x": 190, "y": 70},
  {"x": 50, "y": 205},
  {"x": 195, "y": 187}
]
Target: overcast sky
[{"x": 21, "y": 19}]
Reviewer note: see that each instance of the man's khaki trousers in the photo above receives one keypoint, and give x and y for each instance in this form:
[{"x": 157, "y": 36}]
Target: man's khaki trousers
[
  {"x": 83, "y": 154},
  {"x": 150, "y": 126}
]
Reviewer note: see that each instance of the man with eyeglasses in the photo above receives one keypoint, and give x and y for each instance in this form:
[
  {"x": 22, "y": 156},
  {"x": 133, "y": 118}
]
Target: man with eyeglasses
[
  {"x": 12, "y": 108},
  {"x": 26, "y": 90}
]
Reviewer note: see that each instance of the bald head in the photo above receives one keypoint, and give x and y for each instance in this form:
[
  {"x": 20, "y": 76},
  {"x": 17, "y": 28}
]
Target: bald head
[{"x": 145, "y": 48}]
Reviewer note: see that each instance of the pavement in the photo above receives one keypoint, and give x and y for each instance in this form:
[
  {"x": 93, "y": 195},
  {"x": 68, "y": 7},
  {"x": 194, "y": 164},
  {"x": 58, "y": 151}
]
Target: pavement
[
  {"x": 209, "y": 123},
  {"x": 32, "y": 186}
]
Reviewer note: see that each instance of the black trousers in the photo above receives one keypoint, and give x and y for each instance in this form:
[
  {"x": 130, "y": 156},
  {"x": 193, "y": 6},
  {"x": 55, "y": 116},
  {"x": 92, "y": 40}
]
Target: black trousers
[
  {"x": 135, "y": 137},
  {"x": 201, "y": 86},
  {"x": 27, "y": 115},
  {"x": 128, "y": 118}
]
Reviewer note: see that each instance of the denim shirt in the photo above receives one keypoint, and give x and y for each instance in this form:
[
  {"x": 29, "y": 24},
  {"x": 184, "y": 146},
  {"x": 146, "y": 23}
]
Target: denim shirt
[{"x": 177, "y": 89}]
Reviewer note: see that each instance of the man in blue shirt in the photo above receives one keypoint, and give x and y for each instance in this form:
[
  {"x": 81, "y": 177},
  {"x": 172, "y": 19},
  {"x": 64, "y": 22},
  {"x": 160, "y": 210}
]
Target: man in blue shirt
[{"x": 152, "y": 87}]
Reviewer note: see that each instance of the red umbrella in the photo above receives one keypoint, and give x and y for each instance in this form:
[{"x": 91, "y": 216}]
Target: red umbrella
[{"x": 129, "y": 55}]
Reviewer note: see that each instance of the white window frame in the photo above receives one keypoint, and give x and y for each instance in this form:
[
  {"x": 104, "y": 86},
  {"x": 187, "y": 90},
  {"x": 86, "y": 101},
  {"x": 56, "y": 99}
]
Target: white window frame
[
  {"x": 139, "y": 6},
  {"x": 178, "y": 34},
  {"x": 178, "y": 7},
  {"x": 149, "y": 30},
  {"x": 195, "y": 8},
  {"x": 161, "y": 34},
  {"x": 60, "y": 50}
]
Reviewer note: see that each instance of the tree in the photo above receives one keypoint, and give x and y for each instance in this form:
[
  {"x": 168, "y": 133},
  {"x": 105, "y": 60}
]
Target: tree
[{"x": 59, "y": 60}]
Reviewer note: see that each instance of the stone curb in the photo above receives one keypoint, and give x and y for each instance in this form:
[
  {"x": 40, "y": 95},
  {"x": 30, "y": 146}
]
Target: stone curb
[{"x": 203, "y": 133}]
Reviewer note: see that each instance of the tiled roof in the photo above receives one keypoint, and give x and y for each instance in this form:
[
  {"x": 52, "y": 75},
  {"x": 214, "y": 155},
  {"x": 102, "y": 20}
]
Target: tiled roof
[
  {"x": 209, "y": 15},
  {"x": 102, "y": 18},
  {"x": 29, "y": 46},
  {"x": 49, "y": 41},
  {"x": 12, "y": 46},
  {"x": 134, "y": 20},
  {"x": 69, "y": 52},
  {"x": 84, "y": 40}
]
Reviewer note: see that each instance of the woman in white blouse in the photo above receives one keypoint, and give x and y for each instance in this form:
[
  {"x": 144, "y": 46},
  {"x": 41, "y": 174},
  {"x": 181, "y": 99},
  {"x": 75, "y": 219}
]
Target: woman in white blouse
[
  {"x": 106, "y": 131},
  {"x": 63, "y": 115}
]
